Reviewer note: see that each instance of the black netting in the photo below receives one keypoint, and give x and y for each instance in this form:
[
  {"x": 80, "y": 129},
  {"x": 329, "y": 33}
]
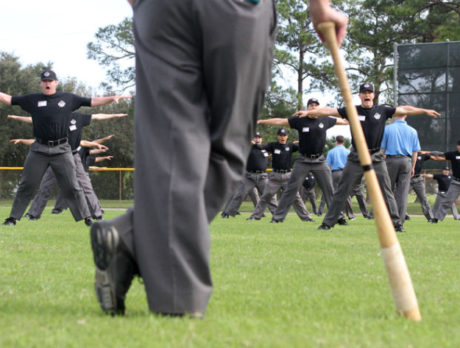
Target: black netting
[{"x": 428, "y": 76}]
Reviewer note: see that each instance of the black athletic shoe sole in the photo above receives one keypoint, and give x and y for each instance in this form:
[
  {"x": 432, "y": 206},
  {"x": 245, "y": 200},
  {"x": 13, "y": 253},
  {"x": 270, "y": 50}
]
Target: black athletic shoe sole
[{"x": 104, "y": 242}]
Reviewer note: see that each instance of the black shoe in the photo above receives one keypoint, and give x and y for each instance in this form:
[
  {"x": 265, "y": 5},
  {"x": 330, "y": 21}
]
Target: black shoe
[
  {"x": 115, "y": 268},
  {"x": 224, "y": 215},
  {"x": 88, "y": 221},
  {"x": 324, "y": 227},
  {"x": 407, "y": 217},
  {"x": 11, "y": 221},
  {"x": 56, "y": 211},
  {"x": 31, "y": 217},
  {"x": 252, "y": 218},
  {"x": 308, "y": 219},
  {"x": 368, "y": 216},
  {"x": 342, "y": 222},
  {"x": 98, "y": 218},
  {"x": 434, "y": 221},
  {"x": 351, "y": 218},
  {"x": 319, "y": 213},
  {"x": 275, "y": 221},
  {"x": 399, "y": 228}
]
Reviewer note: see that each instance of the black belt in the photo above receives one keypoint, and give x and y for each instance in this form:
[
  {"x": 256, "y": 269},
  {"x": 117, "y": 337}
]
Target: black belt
[
  {"x": 337, "y": 170},
  {"x": 256, "y": 171},
  {"x": 282, "y": 171},
  {"x": 313, "y": 156},
  {"x": 374, "y": 150},
  {"x": 51, "y": 142},
  {"x": 399, "y": 156}
]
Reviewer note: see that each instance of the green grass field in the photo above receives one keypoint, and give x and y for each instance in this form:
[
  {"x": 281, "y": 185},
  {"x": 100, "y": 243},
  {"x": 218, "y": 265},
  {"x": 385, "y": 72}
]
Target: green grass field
[{"x": 276, "y": 285}]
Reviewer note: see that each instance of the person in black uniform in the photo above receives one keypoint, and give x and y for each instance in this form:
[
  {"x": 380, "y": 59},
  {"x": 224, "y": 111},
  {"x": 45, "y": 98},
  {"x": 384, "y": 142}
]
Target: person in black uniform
[
  {"x": 51, "y": 111},
  {"x": 255, "y": 177},
  {"x": 312, "y": 139},
  {"x": 307, "y": 191},
  {"x": 49, "y": 183},
  {"x": 453, "y": 191},
  {"x": 417, "y": 183},
  {"x": 281, "y": 152},
  {"x": 373, "y": 119}
]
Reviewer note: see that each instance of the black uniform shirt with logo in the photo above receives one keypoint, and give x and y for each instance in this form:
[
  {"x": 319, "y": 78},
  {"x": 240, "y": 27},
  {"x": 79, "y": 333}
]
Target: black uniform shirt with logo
[
  {"x": 50, "y": 113},
  {"x": 257, "y": 160},
  {"x": 312, "y": 133},
  {"x": 454, "y": 158},
  {"x": 419, "y": 164},
  {"x": 76, "y": 124},
  {"x": 281, "y": 154},
  {"x": 309, "y": 182},
  {"x": 443, "y": 181},
  {"x": 373, "y": 122}
]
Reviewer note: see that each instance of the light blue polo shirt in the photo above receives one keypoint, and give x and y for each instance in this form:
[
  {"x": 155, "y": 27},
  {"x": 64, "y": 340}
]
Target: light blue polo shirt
[
  {"x": 400, "y": 139},
  {"x": 337, "y": 157}
]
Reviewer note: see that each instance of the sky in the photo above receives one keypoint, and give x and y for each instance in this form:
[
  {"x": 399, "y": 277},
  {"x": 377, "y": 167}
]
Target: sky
[{"x": 58, "y": 31}]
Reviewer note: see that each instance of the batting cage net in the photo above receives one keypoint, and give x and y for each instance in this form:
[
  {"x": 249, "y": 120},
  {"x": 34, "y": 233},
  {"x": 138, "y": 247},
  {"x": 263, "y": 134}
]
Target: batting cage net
[{"x": 428, "y": 75}]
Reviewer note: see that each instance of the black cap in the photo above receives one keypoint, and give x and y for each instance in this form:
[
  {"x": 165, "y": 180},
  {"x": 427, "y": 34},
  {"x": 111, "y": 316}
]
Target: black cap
[
  {"x": 366, "y": 87},
  {"x": 282, "y": 131},
  {"x": 312, "y": 100},
  {"x": 446, "y": 168},
  {"x": 48, "y": 75},
  {"x": 258, "y": 135}
]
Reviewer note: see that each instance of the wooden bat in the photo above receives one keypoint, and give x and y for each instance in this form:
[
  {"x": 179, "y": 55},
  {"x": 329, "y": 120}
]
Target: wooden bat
[{"x": 398, "y": 273}]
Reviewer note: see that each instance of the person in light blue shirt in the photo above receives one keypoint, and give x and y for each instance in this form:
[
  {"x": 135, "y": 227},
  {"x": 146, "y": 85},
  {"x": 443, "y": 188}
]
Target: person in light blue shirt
[
  {"x": 336, "y": 159},
  {"x": 400, "y": 144}
]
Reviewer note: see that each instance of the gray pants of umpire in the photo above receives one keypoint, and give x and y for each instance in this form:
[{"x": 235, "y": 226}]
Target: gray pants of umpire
[
  {"x": 62, "y": 163},
  {"x": 302, "y": 167},
  {"x": 250, "y": 180},
  {"x": 49, "y": 184},
  {"x": 336, "y": 177},
  {"x": 418, "y": 185},
  {"x": 351, "y": 176},
  {"x": 399, "y": 171},
  {"x": 309, "y": 195},
  {"x": 446, "y": 200},
  {"x": 202, "y": 68},
  {"x": 356, "y": 191},
  {"x": 276, "y": 182}
]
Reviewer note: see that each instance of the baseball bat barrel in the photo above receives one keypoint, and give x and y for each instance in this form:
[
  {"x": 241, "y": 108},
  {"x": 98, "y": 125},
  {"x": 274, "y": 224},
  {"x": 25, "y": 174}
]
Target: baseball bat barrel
[{"x": 395, "y": 264}]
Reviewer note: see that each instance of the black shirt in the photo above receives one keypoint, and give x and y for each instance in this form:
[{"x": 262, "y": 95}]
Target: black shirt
[
  {"x": 281, "y": 154},
  {"x": 50, "y": 113},
  {"x": 419, "y": 164},
  {"x": 85, "y": 157},
  {"x": 76, "y": 124},
  {"x": 312, "y": 133},
  {"x": 443, "y": 181},
  {"x": 257, "y": 160},
  {"x": 454, "y": 158},
  {"x": 373, "y": 122},
  {"x": 309, "y": 182}
]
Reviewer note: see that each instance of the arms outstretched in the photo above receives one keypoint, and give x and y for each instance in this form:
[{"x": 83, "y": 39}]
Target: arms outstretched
[
  {"x": 98, "y": 101},
  {"x": 25, "y": 119},
  {"x": 274, "y": 121},
  {"x": 318, "y": 112},
  {"x": 5, "y": 98},
  {"x": 86, "y": 143},
  {"x": 409, "y": 110},
  {"x": 22, "y": 141},
  {"x": 106, "y": 116}
]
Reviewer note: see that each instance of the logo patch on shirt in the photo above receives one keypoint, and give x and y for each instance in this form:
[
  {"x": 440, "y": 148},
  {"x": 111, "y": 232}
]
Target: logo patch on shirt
[
  {"x": 277, "y": 152},
  {"x": 72, "y": 127},
  {"x": 305, "y": 129},
  {"x": 42, "y": 103},
  {"x": 457, "y": 157},
  {"x": 377, "y": 116},
  {"x": 286, "y": 149},
  {"x": 73, "y": 121},
  {"x": 362, "y": 118},
  {"x": 321, "y": 125},
  {"x": 61, "y": 104}
]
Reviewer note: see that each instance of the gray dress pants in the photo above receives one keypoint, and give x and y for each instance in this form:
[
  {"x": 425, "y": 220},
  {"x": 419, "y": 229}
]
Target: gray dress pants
[
  {"x": 351, "y": 176},
  {"x": 277, "y": 182},
  {"x": 302, "y": 167},
  {"x": 418, "y": 185},
  {"x": 61, "y": 161},
  {"x": 309, "y": 195},
  {"x": 250, "y": 181},
  {"x": 399, "y": 171},
  {"x": 202, "y": 68},
  {"x": 446, "y": 200},
  {"x": 49, "y": 184}
]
